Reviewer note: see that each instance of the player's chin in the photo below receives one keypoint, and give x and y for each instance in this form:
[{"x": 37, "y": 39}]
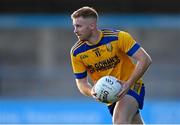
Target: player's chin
[{"x": 81, "y": 38}]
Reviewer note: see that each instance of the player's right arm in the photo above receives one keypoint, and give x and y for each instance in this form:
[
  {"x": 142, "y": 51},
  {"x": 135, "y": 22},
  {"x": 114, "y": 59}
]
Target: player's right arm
[
  {"x": 80, "y": 73},
  {"x": 84, "y": 86}
]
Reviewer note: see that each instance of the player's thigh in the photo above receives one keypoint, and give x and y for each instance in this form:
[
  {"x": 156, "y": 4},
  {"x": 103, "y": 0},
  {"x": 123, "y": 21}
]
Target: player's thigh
[
  {"x": 125, "y": 109},
  {"x": 137, "y": 119}
]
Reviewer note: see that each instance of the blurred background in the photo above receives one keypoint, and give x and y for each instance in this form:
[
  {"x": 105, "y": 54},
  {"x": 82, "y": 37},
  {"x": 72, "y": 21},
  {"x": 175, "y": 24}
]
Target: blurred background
[{"x": 36, "y": 80}]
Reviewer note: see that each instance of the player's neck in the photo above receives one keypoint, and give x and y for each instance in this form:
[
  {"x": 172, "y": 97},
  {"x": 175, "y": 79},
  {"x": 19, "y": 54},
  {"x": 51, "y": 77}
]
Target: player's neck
[{"x": 94, "y": 39}]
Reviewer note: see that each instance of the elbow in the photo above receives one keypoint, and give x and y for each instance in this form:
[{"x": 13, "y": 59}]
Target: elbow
[
  {"x": 83, "y": 92},
  {"x": 149, "y": 60}
]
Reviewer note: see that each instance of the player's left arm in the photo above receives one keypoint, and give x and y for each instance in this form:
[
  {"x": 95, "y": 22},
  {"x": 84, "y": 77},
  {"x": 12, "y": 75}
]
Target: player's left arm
[{"x": 143, "y": 62}]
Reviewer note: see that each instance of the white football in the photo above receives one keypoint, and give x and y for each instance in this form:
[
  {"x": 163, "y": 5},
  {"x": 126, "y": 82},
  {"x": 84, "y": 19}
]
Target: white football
[{"x": 107, "y": 88}]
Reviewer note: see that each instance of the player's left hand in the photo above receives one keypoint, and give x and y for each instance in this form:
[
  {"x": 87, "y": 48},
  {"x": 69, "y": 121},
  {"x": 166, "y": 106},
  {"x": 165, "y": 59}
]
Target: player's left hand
[{"x": 125, "y": 88}]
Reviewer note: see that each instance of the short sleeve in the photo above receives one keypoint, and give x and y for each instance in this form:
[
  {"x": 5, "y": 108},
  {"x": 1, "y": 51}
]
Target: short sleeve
[
  {"x": 127, "y": 44},
  {"x": 79, "y": 68}
]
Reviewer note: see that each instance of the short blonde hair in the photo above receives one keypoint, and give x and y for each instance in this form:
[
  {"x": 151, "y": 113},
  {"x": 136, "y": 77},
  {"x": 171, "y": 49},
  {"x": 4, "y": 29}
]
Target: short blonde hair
[{"x": 85, "y": 12}]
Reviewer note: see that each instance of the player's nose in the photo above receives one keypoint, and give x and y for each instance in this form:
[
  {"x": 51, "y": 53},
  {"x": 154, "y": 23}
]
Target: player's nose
[{"x": 75, "y": 30}]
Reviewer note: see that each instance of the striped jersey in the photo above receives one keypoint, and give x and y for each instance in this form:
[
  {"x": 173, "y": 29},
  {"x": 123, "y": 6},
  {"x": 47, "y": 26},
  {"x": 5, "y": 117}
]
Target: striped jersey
[{"x": 110, "y": 56}]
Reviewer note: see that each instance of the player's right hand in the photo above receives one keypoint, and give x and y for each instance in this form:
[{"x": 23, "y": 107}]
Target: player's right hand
[{"x": 94, "y": 95}]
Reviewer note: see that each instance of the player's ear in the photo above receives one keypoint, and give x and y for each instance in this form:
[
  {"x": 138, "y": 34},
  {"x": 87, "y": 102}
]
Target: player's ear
[{"x": 92, "y": 26}]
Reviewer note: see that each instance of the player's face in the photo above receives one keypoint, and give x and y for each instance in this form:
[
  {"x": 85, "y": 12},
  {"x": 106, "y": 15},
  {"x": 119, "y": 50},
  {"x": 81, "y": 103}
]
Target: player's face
[{"x": 82, "y": 28}]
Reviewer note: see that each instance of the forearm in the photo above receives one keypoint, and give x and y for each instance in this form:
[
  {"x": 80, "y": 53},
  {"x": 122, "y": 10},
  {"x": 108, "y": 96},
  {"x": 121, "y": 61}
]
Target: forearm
[
  {"x": 143, "y": 62},
  {"x": 84, "y": 87},
  {"x": 139, "y": 70}
]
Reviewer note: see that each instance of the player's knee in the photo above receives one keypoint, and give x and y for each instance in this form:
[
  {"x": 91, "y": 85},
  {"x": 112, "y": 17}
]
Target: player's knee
[
  {"x": 137, "y": 119},
  {"x": 121, "y": 120}
]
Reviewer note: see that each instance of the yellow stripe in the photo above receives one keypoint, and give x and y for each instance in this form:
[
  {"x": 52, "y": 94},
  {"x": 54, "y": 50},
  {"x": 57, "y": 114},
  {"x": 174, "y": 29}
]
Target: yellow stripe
[
  {"x": 139, "y": 90},
  {"x": 110, "y": 35},
  {"x": 137, "y": 87},
  {"x": 76, "y": 46}
]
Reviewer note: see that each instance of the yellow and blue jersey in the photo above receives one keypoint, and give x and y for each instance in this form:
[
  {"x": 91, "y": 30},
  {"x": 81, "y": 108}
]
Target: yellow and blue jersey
[{"x": 110, "y": 56}]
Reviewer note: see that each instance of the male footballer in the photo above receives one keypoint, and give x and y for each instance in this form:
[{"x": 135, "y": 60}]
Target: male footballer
[{"x": 99, "y": 53}]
